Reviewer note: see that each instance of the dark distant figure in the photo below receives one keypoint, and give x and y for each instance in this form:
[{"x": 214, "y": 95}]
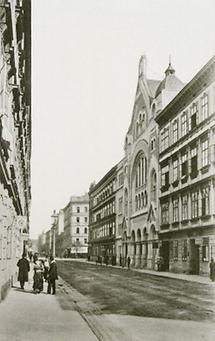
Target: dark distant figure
[
  {"x": 120, "y": 259},
  {"x": 52, "y": 276},
  {"x": 24, "y": 268},
  {"x": 212, "y": 270},
  {"x": 129, "y": 262}
]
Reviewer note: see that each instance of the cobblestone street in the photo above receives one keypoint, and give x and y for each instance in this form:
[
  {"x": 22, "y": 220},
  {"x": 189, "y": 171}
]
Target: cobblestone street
[{"x": 124, "y": 292}]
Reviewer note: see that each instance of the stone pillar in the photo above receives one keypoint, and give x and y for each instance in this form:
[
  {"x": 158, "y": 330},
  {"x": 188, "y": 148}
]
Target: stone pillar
[
  {"x": 132, "y": 255},
  {"x": 138, "y": 255},
  {"x": 143, "y": 257}
]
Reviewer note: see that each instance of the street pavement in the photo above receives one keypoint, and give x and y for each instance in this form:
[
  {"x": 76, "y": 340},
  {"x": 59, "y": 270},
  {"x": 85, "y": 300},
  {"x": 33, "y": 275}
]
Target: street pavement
[{"x": 25, "y": 315}]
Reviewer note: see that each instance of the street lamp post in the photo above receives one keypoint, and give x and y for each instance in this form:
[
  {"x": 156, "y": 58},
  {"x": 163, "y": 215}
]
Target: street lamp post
[{"x": 54, "y": 216}]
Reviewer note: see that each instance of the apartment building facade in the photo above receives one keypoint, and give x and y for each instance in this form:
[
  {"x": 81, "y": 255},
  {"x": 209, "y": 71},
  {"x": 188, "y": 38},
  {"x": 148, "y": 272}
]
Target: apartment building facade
[
  {"x": 102, "y": 225},
  {"x": 187, "y": 176}
]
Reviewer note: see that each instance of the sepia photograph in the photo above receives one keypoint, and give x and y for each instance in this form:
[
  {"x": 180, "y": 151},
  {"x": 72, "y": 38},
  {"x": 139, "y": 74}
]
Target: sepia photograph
[{"x": 107, "y": 170}]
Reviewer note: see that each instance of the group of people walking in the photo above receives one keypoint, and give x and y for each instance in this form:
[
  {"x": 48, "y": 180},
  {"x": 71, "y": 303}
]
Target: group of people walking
[{"x": 44, "y": 270}]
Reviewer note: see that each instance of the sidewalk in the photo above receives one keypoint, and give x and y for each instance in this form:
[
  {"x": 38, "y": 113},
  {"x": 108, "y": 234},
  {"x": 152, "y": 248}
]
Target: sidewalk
[
  {"x": 25, "y": 315},
  {"x": 179, "y": 276}
]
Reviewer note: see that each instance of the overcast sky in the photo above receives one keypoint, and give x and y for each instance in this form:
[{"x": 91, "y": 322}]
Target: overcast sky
[{"x": 84, "y": 76}]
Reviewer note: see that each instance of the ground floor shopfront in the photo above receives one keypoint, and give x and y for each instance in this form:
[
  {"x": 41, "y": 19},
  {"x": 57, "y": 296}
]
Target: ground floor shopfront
[
  {"x": 188, "y": 251},
  {"x": 99, "y": 250}
]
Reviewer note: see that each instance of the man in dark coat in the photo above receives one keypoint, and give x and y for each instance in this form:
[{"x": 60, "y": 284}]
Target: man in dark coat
[
  {"x": 52, "y": 276},
  {"x": 24, "y": 268}
]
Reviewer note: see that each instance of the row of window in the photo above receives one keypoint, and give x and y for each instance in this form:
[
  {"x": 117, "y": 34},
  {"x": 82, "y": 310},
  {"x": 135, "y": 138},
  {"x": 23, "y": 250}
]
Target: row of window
[
  {"x": 79, "y": 219},
  {"x": 78, "y": 209},
  {"x": 78, "y": 230},
  {"x": 105, "y": 211},
  {"x": 140, "y": 123},
  {"x": 186, "y": 164},
  {"x": 174, "y": 250},
  {"x": 78, "y": 240},
  {"x": 107, "y": 230},
  {"x": 141, "y": 172},
  {"x": 187, "y": 121},
  {"x": 141, "y": 200},
  {"x": 199, "y": 206},
  {"x": 105, "y": 193}
]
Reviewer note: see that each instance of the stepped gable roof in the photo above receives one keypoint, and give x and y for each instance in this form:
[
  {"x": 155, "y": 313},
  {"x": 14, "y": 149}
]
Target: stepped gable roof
[
  {"x": 153, "y": 85},
  {"x": 170, "y": 82}
]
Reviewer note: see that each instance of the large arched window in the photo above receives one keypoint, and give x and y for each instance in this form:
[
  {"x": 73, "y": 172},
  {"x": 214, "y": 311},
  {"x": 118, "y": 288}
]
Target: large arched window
[
  {"x": 139, "y": 181},
  {"x": 141, "y": 171}
]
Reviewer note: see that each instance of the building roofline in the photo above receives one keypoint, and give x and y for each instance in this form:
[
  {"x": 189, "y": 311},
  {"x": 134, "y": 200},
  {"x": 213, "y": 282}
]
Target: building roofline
[
  {"x": 178, "y": 97},
  {"x": 105, "y": 177}
]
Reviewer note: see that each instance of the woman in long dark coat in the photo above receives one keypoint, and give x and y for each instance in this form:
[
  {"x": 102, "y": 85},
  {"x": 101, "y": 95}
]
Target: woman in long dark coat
[
  {"x": 24, "y": 268},
  {"x": 38, "y": 276}
]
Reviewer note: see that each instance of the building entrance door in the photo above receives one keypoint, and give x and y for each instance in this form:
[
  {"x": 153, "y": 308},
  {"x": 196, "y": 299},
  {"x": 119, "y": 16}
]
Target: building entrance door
[
  {"x": 194, "y": 258},
  {"x": 164, "y": 253}
]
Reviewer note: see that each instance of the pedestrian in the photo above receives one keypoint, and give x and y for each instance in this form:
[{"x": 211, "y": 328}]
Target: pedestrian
[
  {"x": 38, "y": 276},
  {"x": 24, "y": 268},
  {"x": 129, "y": 262},
  {"x": 52, "y": 276},
  {"x": 120, "y": 259},
  {"x": 212, "y": 270},
  {"x": 46, "y": 268}
]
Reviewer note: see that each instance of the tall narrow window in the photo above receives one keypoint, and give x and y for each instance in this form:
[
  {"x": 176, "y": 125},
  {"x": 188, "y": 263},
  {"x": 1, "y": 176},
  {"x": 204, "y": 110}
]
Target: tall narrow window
[
  {"x": 164, "y": 139},
  {"x": 184, "y": 165},
  {"x": 184, "y": 124},
  {"x": 175, "y": 210},
  {"x": 175, "y": 250},
  {"x": 205, "y": 201},
  {"x": 205, "y": 249},
  {"x": 175, "y": 131},
  {"x": 175, "y": 170},
  {"x": 193, "y": 116},
  {"x": 204, "y": 106},
  {"x": 184, "y": 250},
  {"x": 165, "y": 177},
  {"x": 184, "y": 202},
  {"x": 194, "y": 205},
  {"x": 194, "y": 166},
  {"x": 205, "y": 153},
  {"x": 165, "y": 213}
]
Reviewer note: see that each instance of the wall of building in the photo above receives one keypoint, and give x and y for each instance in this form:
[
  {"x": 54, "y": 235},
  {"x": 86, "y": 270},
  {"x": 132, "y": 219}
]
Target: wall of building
[
  {"x": 187, "y": 168},
  {"x": 15, "y": 135}
]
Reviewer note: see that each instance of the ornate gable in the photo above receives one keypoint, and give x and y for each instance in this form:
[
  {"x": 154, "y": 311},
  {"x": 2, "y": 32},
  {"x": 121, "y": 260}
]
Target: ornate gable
[{"x": 152, "y": 215}]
